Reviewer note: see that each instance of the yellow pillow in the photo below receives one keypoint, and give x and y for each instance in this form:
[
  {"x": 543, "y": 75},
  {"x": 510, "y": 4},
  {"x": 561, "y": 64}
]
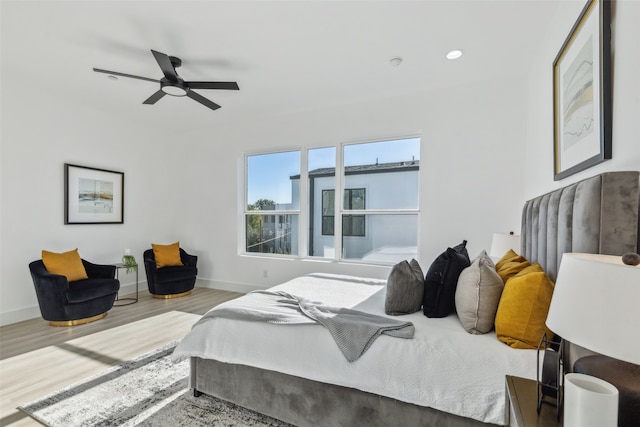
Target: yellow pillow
[
  {"x": 511, "y": 254},
  {"x": 510, "y": 265},
  {"x": 523, "y": 308},
  {"x": 167, "y": 255},
  {"x": 533, "y": 268},
  {"x": 66, "y": 264}
]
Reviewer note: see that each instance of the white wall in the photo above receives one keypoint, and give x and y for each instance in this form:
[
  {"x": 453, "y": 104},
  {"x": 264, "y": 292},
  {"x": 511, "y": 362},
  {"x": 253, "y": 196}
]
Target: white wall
[
  {"x": 471, "y": 175},
  {"x": 41, "y": 132},
  {"x": 486, "y": 149},
  {"x": 470, "y": 149}
]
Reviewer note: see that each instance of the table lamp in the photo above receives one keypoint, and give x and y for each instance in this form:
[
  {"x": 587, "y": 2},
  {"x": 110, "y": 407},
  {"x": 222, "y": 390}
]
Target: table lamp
[
  {"x": 595, "y": 305},
  {"x": 502, "y": 242}
]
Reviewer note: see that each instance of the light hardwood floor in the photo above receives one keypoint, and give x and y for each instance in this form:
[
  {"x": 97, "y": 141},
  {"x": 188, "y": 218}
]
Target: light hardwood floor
[{"x": 37, "y": 359}]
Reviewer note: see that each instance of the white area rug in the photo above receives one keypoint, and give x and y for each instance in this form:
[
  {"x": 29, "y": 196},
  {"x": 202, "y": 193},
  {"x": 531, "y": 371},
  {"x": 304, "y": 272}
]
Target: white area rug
[{"x": 147, "y": 391}]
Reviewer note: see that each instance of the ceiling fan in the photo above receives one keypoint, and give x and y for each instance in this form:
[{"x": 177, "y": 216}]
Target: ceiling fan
[{"x": 174, "y": 85}]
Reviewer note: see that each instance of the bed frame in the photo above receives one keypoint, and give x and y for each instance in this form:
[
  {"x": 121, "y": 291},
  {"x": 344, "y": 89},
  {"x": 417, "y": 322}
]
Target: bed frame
[{"x": 596, "y": 215}]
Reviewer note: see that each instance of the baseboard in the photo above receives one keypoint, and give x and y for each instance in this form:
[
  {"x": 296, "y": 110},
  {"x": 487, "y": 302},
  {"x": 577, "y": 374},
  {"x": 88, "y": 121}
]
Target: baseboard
[
  {"x": 227, "y": 286},
  {"x": 22, "y": 314},
  {"x": 131, "y": 288},
  {"x": 201, "y": 283},
  {"x": 33, "y": 312}
]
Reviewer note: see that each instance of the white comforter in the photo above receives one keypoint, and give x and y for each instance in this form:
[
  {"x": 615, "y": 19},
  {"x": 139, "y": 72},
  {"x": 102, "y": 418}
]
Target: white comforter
[{"x": 442, "y": 367}]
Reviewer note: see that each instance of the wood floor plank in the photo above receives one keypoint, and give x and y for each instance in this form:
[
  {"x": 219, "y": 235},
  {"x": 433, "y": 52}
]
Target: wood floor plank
[
  {"x": 32, "y": 334},
  {"x": 38, "y": 359}
]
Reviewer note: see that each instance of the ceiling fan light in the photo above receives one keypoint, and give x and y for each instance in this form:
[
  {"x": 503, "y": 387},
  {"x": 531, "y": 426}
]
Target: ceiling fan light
[{"x": 174, "y": 90}]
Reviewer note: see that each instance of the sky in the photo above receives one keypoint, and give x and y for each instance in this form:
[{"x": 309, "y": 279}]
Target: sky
[{"x": 268, "y": 175}]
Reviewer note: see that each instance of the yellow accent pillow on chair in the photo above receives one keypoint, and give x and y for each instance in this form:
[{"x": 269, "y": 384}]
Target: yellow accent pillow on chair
[
  {"x": 167, "y": 255},
  {"x": 68, "y": 264},
  {"x": 523, "y": 308}
]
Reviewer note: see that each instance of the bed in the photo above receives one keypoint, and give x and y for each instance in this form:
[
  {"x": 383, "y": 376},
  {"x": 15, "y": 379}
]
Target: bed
[{"x": 443, "y": 376}]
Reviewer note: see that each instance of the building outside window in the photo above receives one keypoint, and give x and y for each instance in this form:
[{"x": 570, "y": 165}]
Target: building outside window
[{"x": 352, "y": 225}]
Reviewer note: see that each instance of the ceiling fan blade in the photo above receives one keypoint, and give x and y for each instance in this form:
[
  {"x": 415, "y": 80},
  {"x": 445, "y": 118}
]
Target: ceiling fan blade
[
  {"x": 115, "y": 73},
  {"x": 155, "y": 97},
  {"x": 202, "y": 100},
  {"x": 213, "y": 85},
  {"x": 165, "y": 65}
]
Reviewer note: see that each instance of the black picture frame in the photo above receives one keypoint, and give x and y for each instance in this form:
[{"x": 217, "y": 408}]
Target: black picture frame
[
  {"x": 92, "y": 195},
  {"x": 582, "y": 111}
]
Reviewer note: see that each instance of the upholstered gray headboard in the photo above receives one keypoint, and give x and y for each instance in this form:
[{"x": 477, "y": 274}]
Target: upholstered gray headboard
[{"x": 597, "y": 215}]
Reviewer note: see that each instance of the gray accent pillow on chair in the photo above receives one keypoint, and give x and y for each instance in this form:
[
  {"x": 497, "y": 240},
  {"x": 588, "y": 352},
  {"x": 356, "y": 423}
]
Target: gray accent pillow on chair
[
  {"x": 405, "y": 289},
  {"x": 478, "y": 295}
]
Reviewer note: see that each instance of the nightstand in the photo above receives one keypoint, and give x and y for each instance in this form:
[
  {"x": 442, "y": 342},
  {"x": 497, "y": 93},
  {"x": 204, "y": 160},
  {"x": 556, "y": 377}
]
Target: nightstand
[{"x": 521, "y": 405}]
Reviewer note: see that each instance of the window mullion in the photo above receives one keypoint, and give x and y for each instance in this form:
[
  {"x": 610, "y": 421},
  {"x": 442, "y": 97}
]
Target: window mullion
[
  {"x": 303, "y": 219},
  {"x": 383, "y": 211},
  {"x": 338, "y": 202}
]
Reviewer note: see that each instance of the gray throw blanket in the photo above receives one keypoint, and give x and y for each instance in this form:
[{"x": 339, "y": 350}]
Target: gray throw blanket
[{"x": 353, "y": 331}]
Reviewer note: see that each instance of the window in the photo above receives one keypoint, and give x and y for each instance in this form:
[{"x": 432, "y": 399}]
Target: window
[
  {"x": 389, "y": 170},
  {"x": 273, "y": 205},
  {"x": 328, "y": 212},
  {"x": 352, "y": 225},
  {"x": 321, "y": 208},
  {"x": 377, "y": 217}
]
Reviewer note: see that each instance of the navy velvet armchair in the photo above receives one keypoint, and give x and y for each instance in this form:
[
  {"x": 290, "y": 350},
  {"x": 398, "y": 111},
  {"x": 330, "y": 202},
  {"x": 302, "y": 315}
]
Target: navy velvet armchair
[
  {"x": 172, "y": 281},
  {"x": 65, "y": 303}
]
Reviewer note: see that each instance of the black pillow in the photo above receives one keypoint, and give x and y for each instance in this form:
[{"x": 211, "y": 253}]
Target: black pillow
[
  {"x": 441, "y": 280},
  {"x": 405, "y": 287}
]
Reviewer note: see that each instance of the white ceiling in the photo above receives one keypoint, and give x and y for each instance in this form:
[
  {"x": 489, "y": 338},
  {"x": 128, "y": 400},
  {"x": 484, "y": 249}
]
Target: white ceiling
[{"x": 285, "y": 55}]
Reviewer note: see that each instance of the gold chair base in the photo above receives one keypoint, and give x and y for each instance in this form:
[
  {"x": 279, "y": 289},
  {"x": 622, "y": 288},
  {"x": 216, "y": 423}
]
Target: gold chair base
[
  {"x": 182, "y": 294},
  {"x": 78, "y": 321}
]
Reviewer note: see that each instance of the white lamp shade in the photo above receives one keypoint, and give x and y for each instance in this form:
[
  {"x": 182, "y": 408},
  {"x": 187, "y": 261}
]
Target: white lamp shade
[
  {"x": 502, "y": 242},
  {"x": 596, "y": 305}
]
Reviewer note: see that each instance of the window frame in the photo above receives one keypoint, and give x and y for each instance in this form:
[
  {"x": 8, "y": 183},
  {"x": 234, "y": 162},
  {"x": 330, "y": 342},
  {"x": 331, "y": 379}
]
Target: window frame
[
  {"x": 246, "y": 212},
  {"x": 303, "y": 210}
]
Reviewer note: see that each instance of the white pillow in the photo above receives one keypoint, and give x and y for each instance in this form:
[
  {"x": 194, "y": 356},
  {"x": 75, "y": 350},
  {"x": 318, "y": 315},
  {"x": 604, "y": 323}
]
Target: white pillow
[{"x": 478, "y": 295}]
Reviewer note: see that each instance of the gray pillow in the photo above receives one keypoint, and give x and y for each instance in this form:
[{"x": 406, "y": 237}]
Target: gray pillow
[
  {"x": 478, "y": 295},
  {"x": 405, "y": 288}
]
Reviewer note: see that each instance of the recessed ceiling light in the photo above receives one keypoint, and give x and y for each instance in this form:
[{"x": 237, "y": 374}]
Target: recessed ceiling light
[
  {"x": 395, "y": 62},
  {"x": 454, "y": 54}
]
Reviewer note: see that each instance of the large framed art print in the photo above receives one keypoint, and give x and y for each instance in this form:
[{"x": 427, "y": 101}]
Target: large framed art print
[
  {"x": 582, "y": 93},
  {"x": 93, "y": 196}
]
